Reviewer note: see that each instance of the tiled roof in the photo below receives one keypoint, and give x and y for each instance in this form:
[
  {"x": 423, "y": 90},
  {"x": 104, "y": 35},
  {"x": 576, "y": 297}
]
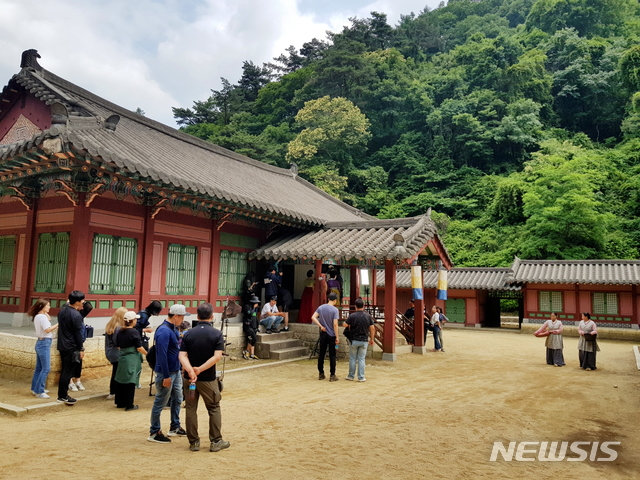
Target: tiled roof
[
  {"x": 372, "y": 239},
  {"x": 597, "y": 272},
  {"x": 458, "y": 278},
  {"x": 146, "y": 147}
]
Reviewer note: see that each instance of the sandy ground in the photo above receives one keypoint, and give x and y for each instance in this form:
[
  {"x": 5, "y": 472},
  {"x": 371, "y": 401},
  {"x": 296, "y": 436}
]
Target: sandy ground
[{"x": 433, "y": 416}]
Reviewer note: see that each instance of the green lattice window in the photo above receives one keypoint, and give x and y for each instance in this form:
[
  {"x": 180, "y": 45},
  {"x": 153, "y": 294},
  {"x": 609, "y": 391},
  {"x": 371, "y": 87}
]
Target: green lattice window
[
  {"x": 233, "y": 268},
  {"x": 550, "y": 301},
  {"x": 181, "y": 269},
  {"x": 113, "y": 267},
  {"x": 605, "y": 303},
  {"x": 51, "y": 266},
  {"x": 7, "y": 257}
]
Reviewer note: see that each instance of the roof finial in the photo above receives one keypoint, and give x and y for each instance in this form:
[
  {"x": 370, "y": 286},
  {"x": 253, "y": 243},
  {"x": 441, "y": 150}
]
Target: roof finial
[{"x": 30, "y": 60}]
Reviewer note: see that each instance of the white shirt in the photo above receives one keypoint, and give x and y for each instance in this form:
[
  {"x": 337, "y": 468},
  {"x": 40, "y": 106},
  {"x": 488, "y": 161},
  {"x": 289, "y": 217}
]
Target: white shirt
[
  {"x": 435, "y": 318},
  {"x": 268, "y": 309},
  {"x": 42, "y": 322}
]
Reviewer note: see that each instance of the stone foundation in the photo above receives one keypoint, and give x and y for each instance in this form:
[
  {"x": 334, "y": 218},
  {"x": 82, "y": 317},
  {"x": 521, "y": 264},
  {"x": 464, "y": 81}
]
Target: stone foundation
[{"x": 604, "y": 333}]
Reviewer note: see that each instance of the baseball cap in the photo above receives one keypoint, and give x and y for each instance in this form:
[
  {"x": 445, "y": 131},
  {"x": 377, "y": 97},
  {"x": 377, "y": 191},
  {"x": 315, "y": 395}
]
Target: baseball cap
[
  {"x": 178, "y": 309},
  {"x": 130, "y": 315}
]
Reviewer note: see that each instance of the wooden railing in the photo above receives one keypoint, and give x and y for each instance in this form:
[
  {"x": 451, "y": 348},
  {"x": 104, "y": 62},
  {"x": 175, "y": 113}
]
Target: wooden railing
[{"x": 403, "y": 325}]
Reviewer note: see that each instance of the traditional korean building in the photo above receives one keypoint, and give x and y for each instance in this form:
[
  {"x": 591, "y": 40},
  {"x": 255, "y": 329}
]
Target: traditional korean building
[{"x": 97, "y": 198}]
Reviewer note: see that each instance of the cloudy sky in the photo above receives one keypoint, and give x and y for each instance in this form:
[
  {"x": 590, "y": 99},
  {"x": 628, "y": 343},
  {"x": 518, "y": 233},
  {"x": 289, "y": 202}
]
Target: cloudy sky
[{"x": 158, "y": 54}]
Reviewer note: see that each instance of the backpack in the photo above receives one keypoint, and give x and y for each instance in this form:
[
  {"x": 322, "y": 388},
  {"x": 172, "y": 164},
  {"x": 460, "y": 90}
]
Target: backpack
[{"x": 151, "y": 357}]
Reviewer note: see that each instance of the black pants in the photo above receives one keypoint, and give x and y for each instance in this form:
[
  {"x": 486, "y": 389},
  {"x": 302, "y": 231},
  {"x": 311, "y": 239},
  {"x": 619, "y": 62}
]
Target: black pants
[
  {"x": 68, "y": 369},
  {"x": 125, "y": 393},
  {"x": 327, "y": 342},
  {"x": 252, "y": 338},
  {"x": 112, "y": 383}
]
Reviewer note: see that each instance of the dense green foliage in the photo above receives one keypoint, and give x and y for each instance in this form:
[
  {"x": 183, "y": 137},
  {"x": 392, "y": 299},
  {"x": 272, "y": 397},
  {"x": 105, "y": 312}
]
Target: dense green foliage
[{"x": 516, "y": 121}]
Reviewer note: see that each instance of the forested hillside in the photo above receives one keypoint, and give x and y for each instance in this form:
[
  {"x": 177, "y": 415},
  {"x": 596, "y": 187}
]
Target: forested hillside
[{"x": 516, "y": 121}]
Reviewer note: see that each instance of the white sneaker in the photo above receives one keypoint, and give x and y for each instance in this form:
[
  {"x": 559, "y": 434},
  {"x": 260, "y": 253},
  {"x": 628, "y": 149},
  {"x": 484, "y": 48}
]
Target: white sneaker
[
  {"x": 110, "y": 396},
  {"x": 72, "y": 387},
  {"x": 42, "y": 395},
  {"x": 80, "y": 386}
]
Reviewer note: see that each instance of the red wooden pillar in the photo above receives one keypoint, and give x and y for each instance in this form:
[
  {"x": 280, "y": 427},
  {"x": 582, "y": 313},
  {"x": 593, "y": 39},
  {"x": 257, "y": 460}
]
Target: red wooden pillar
[
  {"x": 147, "y": 259},
  {"x": 317, "y": 289},
  {"x": 26, "y": 266},
  {"x": 389, "y": 336},
  {"x": 80, "y": 246},
  {"x": 354, "y": 285},
  {"x": 215, "y": 264},
  {"x": 374, "y": 286}
]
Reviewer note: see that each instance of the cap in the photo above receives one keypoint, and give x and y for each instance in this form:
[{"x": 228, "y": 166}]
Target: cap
[
  {"x": 254, "y": 299},
  {"x": 130, "y": 315},
  {"x": 178, "y": 309}
]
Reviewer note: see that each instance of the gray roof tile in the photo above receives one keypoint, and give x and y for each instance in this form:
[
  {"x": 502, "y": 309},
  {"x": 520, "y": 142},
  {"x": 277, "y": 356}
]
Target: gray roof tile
[
  {"x": 458, "y": 278},
  {"x": 596, "y": 272}
]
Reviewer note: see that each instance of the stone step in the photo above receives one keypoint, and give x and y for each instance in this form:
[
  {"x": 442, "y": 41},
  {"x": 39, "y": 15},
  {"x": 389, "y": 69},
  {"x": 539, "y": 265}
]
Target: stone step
[
  {"x": 279, "y": 344},
  {"x": 292, "y": 352}
]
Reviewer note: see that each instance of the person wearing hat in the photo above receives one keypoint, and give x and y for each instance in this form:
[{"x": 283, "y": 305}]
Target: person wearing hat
[
  {"x": 168, "y": 378},
  {"x": 250, "y": 327},
  {"x": 127, "y": 376}
]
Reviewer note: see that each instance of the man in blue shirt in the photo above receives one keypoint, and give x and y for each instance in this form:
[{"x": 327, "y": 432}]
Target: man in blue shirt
[
  {"x": 168, "y": 378},
  {"x": 272, "y": 282},
  {"x": 326, "y": 317}
]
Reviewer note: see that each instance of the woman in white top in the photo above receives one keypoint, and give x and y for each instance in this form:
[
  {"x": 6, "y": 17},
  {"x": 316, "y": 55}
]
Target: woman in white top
[
  {"x": 553, "y": 329},
  {"x": 39, "y": 312},
  {"x": 587, "y": 345}
]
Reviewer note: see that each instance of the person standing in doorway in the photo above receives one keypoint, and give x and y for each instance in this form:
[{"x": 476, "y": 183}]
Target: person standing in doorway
[
  {"x": 362, "y": 334},
  {"x": 202, "y": 348},
  {"x": 326, "y": 317}
]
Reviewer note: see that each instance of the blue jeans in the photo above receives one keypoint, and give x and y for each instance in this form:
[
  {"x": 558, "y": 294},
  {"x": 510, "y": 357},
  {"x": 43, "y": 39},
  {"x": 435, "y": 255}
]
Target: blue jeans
[
  {"x": 43, "y": 365},
  {"x": 269, "y": 322},
  {"x": 357, "y": 350},
  {"x": 436, "y": 338},
  {"x": 162, "y": 398}
]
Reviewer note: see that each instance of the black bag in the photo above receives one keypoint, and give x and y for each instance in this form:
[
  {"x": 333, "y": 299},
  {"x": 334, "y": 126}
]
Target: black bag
[
  {"x": 348, "y": 334},
  {"x": 88, "y": 329},
  {"x": 145, "y": 342},
  {"x": 590, "y": 337},
  {"x": 151, "y": 357}
]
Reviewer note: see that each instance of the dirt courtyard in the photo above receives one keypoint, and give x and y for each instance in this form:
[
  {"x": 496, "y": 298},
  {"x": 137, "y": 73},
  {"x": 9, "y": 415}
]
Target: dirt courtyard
[{"x": 433, "y": 416}]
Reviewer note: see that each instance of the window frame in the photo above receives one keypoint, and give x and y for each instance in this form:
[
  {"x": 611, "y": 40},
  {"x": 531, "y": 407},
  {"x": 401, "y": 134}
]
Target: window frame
[
  {"x": 185, "y": 264},
  {"x": 8, "y": 251},
  {"x": 551, "y": 301},
  {"x": 234, "y": 266},
  {"x": 605, "y": 303},
  {"x": 121, "y": 264},
  {"x": 58, "y": 262}
]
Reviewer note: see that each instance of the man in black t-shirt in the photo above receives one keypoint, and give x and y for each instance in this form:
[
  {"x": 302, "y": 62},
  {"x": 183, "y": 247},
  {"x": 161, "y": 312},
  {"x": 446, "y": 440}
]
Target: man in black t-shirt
[
  {"x": 202, "y": 347},
  {"x": 362, "y": 332}
]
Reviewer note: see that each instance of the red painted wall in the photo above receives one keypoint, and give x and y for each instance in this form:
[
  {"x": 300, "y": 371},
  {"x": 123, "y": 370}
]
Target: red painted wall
[{"x": 33, "y": 109}]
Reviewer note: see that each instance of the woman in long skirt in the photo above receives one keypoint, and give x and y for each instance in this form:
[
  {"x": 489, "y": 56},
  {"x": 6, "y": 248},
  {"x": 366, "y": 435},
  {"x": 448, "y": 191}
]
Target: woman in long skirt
[
  {"x": 129, "y": 363},
  {"x": 587, "y": 345},
  {"x": 306, "y": 302},
  {"x": 553, "y": 329}
]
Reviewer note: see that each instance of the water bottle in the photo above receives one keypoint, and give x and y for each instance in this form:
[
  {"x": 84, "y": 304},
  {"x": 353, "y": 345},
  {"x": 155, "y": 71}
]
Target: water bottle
[
  {"x": 192, "y": 391},
  {"x": 337, "y": 346}
]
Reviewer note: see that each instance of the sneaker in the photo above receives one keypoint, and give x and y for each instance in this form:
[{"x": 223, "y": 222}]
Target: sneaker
[
  {"x": 219, "y": 445},
  {"x": 111, "y": 396},
  {"x": 362, "y": 380},
  {"x": 138, "y": 386},
  {"x": 321, "y": 376},
  {"x": 132, "y": 407},
  {"x": 195, "y": 446},
  {"x": 254, "y": 357},
  {"x": 42, "y": 395},
  {"x": 68, "y": 400},
  {"x": 245, "y": 354},
  {"x": 349, "y": 378},
  {"x": 333, "y": 378},
  {"x": 72, "y": 387},
  {"x": 268, "y": 330},
  {"x": 159, "y": 438},
  {"x": 285, "y": 329},
  {"x": 80, "y": 386},
  {"x": 178, "y": 432}
]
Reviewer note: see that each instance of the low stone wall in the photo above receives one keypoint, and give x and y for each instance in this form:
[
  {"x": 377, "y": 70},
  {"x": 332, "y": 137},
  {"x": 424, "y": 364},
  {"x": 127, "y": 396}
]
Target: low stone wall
[{"x": 18, "y": 359}]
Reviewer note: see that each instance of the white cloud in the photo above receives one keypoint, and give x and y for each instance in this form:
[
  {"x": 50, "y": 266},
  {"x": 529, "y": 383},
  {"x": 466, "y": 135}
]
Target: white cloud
[{"x": 158, "y": 54}]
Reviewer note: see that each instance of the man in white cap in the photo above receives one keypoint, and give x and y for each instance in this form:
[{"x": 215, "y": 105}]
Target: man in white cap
[{"x": 168, "y": 378}]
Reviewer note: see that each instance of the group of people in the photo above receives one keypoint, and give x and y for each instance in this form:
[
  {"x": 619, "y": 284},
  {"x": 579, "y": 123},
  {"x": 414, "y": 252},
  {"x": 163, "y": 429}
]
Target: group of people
[
  {"x": 587, "y": 343},
  {"x": 433, "y": 323},
  {"x": 193, "y": 357}
]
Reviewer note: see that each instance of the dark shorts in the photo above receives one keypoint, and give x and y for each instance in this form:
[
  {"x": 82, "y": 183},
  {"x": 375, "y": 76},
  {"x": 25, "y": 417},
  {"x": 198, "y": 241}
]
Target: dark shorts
[
  {"x": 252, "y": 338},
  {"x": 284, "y": 307}
]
